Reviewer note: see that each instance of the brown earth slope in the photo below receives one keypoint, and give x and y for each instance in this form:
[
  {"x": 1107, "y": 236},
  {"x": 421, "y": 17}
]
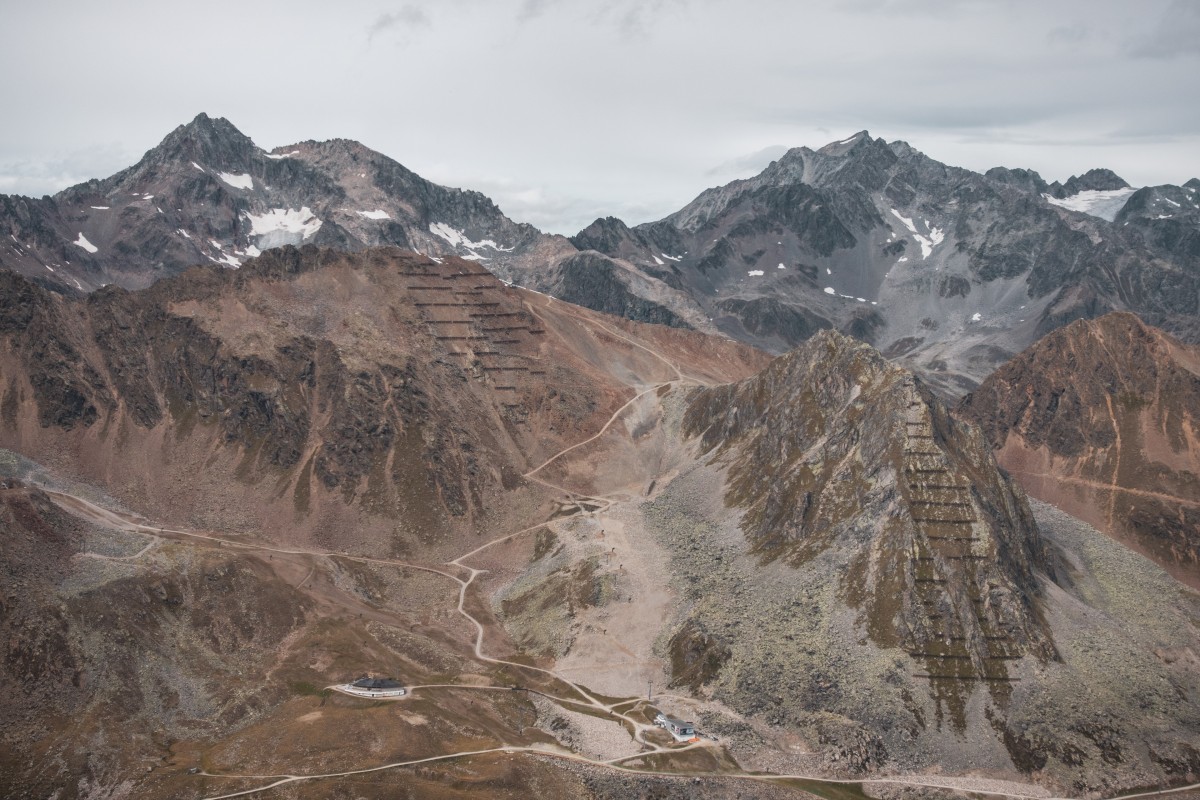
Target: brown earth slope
[
  {"x": 1102, "y": 419},
  {"x": 381, "y": 402}
]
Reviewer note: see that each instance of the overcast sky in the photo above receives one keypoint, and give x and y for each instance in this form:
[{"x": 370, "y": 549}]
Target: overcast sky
[{"x": 565, "y": 110}]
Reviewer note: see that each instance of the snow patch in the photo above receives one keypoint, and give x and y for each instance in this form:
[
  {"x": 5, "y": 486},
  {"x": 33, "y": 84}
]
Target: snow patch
[
  {"x": 828, "y": 271},
  {"x": 672, "y": 258},
  {"x": 101, "y": 208},
  {"x": 1102, "y": 203},
  {"x": 197, "y": 166},
  {"x": 829, "y": 290},
  {"x": 85, "y": 244},
  {"x": 781, "y": 266},
  {"x": 457, "y": 238},
  {"x": 1172, "y": 202},
  {"x": 755, "y": 273},
  {"x": 280, "y": 226},
  {"x": 237, "y": 181},
  {"x": 282, "y": 155},
  {"x": 376, "y": 214},
  {"x": 658, "y": 260},
  {"x": 936, "y": 235},
  {"x": 902, "y": 259},
  {"x": 908, "y": 223},
  {"x": 184, "y": 233},
  {"x": 253, "y": 251},
  {"x": 976, "y": 317}
]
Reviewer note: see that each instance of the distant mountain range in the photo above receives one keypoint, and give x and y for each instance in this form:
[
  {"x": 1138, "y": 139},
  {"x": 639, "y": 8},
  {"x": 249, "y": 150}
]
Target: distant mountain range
[{"x": 945, "y": 270}]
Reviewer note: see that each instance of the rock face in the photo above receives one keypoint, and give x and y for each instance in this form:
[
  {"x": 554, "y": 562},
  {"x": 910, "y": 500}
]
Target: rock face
[
  {"x": 95, "y": 642},
  {"x": 329, "y": 384},
  {"x": 856, "y": 568},
  {"x": 948, "y": 271},
  {"x": 832, "y": 448},
  {"x": 1102, "y": 418}
]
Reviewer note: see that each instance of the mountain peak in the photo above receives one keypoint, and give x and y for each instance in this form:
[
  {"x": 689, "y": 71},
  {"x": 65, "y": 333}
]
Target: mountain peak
[
  {"x": 208, "y": 140},
  {"x": 843, "y": 146},
  {"x": 1099, "y": 179}
]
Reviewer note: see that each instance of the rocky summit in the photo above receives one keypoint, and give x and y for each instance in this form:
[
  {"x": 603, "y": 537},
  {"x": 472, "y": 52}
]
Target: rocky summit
[{"x": 948, "y": 271}]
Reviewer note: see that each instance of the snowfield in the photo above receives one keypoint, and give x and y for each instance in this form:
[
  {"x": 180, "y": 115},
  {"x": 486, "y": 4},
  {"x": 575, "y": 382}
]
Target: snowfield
[
  {"x": 280, "y": 226},
  {"x": 1095, "y": 202}
]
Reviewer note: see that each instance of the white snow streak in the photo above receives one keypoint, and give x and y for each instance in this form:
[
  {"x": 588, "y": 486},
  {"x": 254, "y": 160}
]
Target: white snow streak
[
  {"x": 100, "y": 208},
  {"x": 755, "y": 273},
  {"x": 197, "y": 166},
  {"x": 282, "y": 155},
  {"x": 936, "y": 235},
  {"x": 85, "y": 244},
  {"x": 377, "y": 214},
  {"x": 658, "y": 260},
  {"x": 457, "y": 238},
  {"x": 908, "y": 223}
]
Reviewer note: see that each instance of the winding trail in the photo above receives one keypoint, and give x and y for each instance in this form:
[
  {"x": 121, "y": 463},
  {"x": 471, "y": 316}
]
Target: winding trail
[
  {"x": 639, "y": 729},
  {"x": 1108, "y": 487}
]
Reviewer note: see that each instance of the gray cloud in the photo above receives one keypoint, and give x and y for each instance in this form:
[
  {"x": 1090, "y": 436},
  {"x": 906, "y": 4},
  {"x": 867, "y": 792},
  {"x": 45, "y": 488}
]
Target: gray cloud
[
  {"x": 407, "y": 18},
  {"x": 1176, "y": 34},
  {"x": 564, "y": 110},
  {"x": 1073, "y": 33},
  {"x": 33, "y": 177},
  {"x": 746, "y": 165}
]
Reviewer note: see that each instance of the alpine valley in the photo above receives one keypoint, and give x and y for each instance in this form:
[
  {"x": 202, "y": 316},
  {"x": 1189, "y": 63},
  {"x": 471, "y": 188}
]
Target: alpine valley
[{"x": 882, "y": 475}]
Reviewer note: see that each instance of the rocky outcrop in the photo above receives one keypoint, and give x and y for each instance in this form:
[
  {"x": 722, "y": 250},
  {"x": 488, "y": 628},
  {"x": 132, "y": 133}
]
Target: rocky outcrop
[
  {"x": 1102, "y": 418},
  {"x": 1094, "y": 180},
  {"x": 595, "y": 281},
  {"x": 830, "y": 447}
]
